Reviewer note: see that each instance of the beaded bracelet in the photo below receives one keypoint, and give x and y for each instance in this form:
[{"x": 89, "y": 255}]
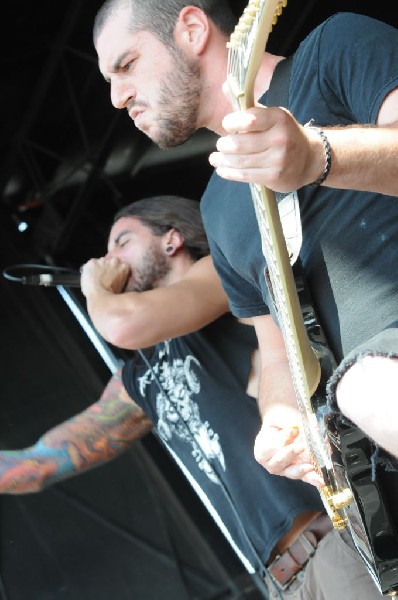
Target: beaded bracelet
[{"x": 328, "y": 155}]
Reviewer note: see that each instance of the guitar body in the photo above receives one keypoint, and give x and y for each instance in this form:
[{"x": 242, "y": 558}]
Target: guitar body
[
  {"x": 368, "y": 515},
  {"x": 369, "y": 518},
  {"x": 353, "y": 494}
]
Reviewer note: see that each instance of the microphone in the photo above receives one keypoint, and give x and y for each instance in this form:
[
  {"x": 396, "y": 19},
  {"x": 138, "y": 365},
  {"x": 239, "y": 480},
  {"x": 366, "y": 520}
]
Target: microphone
[
  {"x": 67, "y": 279},
  {"x": 35, "y": 274}
]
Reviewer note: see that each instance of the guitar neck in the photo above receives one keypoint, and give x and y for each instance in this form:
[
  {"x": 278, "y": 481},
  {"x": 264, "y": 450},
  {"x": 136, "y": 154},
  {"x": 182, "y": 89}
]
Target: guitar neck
[
  {"x": 246, "y": 51},
  {"x": 246, "y": 48},
  {"x": 304, "y": 363}
]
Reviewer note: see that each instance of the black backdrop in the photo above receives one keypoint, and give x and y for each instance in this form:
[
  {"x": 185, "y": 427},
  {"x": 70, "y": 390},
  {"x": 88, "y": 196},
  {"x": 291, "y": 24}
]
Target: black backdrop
[{"x": 131, "y": 529}]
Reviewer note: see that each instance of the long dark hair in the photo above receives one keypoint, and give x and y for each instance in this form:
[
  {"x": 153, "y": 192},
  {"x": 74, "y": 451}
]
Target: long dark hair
[{"x": 161, "y": 213}]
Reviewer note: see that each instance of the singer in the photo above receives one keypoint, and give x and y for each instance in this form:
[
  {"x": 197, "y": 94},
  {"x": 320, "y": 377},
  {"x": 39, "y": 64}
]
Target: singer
[{"x": 196, "y": 384}]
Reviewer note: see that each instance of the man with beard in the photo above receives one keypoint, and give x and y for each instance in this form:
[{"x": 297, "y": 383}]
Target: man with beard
[
  {"x": 156, "y": 285},
  {"x": 166, "y": 63},
  {"x": 145, "y": 253}
]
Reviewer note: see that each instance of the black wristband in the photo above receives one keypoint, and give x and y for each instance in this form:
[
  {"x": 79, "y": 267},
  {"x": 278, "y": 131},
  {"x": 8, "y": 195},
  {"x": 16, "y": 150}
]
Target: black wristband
[{"x": 328, "y": 157}]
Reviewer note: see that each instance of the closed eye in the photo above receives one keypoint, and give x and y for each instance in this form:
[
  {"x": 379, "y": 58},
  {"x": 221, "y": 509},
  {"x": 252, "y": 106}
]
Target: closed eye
[
  {"x": 122, "y": 239},
  {"x": 127, "y": 66},
  {"x": 123, "y": 242}
]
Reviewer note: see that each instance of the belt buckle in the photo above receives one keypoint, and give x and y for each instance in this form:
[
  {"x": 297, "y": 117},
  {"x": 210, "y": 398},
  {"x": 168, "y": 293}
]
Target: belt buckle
[{"x": 283, "y": 586}]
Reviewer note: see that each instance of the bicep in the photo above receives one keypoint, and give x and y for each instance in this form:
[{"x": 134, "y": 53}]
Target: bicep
[
  {"x": 114, "y": 417},
  {"x": 196, "y": 300},
  {"x": 116, "y": 402},
  {"x": 115, "y": 390}
]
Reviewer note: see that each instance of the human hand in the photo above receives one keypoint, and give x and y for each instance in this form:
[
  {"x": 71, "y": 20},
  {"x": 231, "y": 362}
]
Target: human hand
[
  {"x": 269, "y": 147},
  {"x": 282, "y": 450},
  {"x": 107, "y": 273}
]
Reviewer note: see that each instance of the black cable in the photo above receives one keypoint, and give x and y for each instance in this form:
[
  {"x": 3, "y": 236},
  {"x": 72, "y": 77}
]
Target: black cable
[{"x": 20, "y": 273}]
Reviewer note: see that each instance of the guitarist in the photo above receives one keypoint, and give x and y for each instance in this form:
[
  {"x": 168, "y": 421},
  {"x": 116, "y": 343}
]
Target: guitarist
[
  {"x": 350, "y": 236},
  {"x": 166, "y": 63}
]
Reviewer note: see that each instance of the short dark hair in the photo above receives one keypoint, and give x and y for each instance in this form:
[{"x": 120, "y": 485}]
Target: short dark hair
[
  {"x": 161, "y": 213},
  {"x": 160, "y": 16}
]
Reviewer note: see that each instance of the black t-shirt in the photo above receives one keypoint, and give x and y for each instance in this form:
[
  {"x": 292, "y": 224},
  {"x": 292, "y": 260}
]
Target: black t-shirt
[
  {"x": 340, "y": 75},
  {"x": 194, "y": 392}
]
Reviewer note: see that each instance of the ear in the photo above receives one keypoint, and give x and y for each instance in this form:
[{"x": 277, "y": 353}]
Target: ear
[
  {"x": 192, "y": 30},
  {"x": 172, "y": 241}
]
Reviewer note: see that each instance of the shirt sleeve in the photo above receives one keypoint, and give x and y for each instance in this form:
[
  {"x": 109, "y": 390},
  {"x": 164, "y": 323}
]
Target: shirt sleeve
[
  {"x": 358, "y": 63},
  {"x": 245, "y": 300}
]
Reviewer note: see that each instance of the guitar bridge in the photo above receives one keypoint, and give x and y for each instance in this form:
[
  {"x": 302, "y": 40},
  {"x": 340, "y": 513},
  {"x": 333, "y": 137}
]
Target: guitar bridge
[{"x": 335, "y": 502}]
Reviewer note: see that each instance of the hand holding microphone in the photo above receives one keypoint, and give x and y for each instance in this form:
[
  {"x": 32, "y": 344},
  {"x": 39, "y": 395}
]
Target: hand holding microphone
[{"x": 106, "y": 273}]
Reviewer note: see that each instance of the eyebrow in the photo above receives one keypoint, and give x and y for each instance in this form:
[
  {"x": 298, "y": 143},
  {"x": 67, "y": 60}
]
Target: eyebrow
[
  {"x": 121, "y": 234},
  {"x": 118, "y": 62},
  {"x": 116, "y": 66}
]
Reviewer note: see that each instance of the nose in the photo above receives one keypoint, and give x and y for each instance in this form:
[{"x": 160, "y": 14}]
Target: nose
[
  {"x": 112, "y": 253},
  {"x": 121, "y": 93}
]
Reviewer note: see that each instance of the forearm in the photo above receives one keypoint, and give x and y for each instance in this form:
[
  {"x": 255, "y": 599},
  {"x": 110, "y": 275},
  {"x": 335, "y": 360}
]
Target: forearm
[
  {"x": 278, "y": 152},
  {"x": 140, "y": 319},
  {"x": 117, "y": 317},
  {"x": 94, "y": 437},
  {"x": 276, "y": 389},
  {"x": 366, "y": 394},
  {"x": 277, "y": 396},
  {"x": 363, "y": 158},
  {"x": 33, "y": 469}
]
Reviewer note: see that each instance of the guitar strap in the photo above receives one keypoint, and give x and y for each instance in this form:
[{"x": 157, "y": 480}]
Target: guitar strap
[{"x": 288, "y": 203}]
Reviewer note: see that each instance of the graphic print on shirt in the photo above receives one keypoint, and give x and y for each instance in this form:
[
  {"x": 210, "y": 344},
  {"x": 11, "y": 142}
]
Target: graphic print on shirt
[{"x": 178, "y": 414}]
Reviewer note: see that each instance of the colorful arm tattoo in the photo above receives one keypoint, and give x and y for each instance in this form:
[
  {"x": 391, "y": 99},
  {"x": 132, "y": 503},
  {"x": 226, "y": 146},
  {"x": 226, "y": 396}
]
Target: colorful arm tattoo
[{"x": 103, "y": 431}]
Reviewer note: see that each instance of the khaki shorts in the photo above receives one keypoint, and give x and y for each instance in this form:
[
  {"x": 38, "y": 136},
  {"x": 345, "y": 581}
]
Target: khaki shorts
[{"x": 335, "y": 572}]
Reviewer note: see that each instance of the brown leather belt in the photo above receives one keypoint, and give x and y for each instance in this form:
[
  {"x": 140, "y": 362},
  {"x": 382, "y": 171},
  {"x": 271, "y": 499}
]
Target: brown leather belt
[{"x": 285, "y": 566}]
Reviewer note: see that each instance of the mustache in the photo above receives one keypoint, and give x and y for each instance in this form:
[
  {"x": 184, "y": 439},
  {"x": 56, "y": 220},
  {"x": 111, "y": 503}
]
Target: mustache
[{"x": 134, "y": 103}]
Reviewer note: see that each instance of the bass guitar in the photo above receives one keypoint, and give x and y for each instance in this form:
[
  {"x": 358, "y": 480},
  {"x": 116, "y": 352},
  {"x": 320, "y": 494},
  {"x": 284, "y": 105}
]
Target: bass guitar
[{"x": 341, "y": 453}]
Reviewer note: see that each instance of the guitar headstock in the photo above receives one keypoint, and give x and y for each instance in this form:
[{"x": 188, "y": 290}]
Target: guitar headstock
[{"x": 247, "y": 45}]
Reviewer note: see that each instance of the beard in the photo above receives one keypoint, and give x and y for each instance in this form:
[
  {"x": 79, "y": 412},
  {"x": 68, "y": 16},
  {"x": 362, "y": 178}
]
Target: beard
[
  {"x": 153, "y": 268},
  {"x": 179, "y": 98}
]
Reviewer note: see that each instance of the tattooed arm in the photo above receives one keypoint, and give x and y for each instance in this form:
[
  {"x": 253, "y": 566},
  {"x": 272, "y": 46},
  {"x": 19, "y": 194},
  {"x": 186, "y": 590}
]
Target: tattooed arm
[{"x": 97, "y": 435}]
